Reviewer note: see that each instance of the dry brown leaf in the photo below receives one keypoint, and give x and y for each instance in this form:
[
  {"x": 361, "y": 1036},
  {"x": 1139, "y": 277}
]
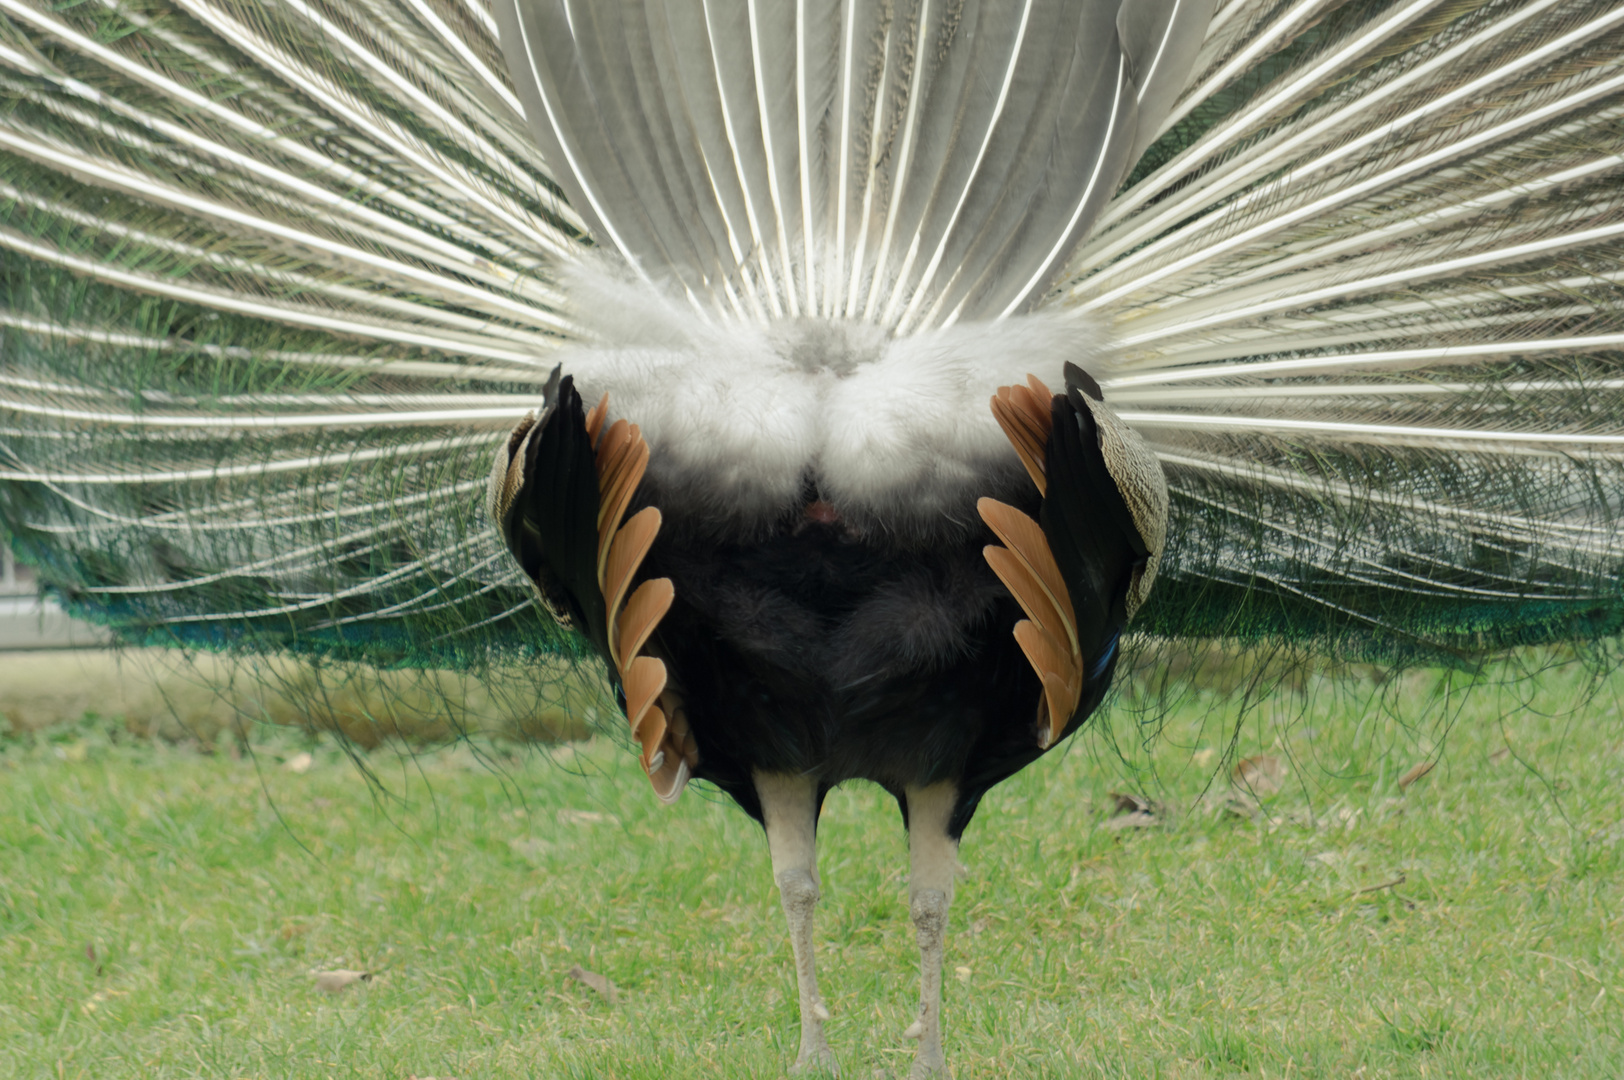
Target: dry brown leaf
[
  {"x": 1126, "y": 802},
  {"x": 606, "y": 989},
  {"x": 300, "y": 762},
  {"x": 1261, "y": 775},
  {"x": 1131, "y": 811},
  {"x": 1500, "y": 754},
  {"x": 1417, "y": 772},
  {"x": 339, "y": 979}
]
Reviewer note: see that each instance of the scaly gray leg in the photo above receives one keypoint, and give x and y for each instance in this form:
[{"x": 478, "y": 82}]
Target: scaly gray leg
[
  {"x": 934, "y": 856},
  {"x": 789, "y": 808}
]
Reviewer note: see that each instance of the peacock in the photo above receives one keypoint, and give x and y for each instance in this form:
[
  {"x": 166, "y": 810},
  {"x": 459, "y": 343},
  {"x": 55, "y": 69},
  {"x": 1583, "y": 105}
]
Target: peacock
[{"x": 856, "y": 382}]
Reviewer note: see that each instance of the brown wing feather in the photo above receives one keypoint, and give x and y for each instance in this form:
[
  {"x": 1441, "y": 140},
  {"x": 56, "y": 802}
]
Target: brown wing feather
[
  {"x": 1026, "y": 565},
  {"x": 1025, "y": 538},
  {"x": 644, "y": 610},
  {"x": 594, "y": 419},
  {"x": 1028, "y": 592},
  {"x": 642, "y": 681},
  {"x": 1062, "y": 678},
  {"x": 1026, "y": 444},
  {"x": 682, "y": 736},
  {"x": 626, "y": 553},
  {"x": 1023, "y": 413},
  {"x": 654, "y": 713},
  {"x": 622, "y": 460}
]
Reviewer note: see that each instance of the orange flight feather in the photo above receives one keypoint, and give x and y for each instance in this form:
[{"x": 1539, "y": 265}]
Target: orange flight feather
[
  {"x": 594, "y": 419},
  {"x": 644, "y": 610},
  {"x": 1026, "y": 564},
  {"x": 626, "y": 553},
  {"x": 655, "y": 716}
]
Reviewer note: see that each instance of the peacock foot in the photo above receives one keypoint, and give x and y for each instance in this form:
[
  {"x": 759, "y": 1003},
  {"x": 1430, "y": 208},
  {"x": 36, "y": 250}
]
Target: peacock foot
[
  {"x": 815, "y": 1060},
  {"x": 930, "y": 1067},
  {"x": 929, "y": 1063}
]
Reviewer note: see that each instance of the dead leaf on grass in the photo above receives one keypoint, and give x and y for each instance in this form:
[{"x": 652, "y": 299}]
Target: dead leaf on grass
[
  {"x": 1130, "y": 811},
  {"x": 1125, "y": 802},
  {"x": 606, "y": 989},
  {"x": 339, "y": 979},
  {"x": 1500, "y": 755},
  {"x": 1261, "y": 775},
  {"x": 1416, "y": 772}
]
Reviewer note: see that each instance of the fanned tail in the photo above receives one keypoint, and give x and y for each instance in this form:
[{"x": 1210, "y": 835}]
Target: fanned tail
[
  {"x": 1367, "y": 295},
  {"x": 272, "y": 280},
  {"x": 275, "y": 277}
]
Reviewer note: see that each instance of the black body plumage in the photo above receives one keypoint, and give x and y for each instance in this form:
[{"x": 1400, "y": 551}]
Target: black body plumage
[{"x": 822, "y": 651}]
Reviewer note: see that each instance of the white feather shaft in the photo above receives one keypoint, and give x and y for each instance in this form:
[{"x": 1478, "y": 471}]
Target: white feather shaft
[
  {"x": 1346, "y": 194},
  {"x": 290, "y": 314},
  {"x": 1388, "y": 360},
  {"x": 1221, "y": 179},
  {"x": 1345, "y": 431},
  {"x": 105, "y": 173},
  {"x": 381, "y": 365},
  {"x": 213, "y": 471},
  {"x": 544, "y": 237},
  {"x": 350, "y": 180},
  {"x": 1180, "y": 324},
  {"x": 456, "y": 44}
]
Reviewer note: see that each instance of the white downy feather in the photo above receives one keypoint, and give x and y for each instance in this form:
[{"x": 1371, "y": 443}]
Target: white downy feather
[{"x": 894, "y": 431}]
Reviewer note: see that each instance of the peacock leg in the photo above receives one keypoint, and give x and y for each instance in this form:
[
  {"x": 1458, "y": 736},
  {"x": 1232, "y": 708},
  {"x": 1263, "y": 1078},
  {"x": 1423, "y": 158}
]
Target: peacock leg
[
  {"x": 789, "y": 809},
  {"x": 934, "y": 856}
]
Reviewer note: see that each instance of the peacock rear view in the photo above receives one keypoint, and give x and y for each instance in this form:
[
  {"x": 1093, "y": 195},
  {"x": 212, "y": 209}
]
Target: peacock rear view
[{"x": 856, "y": 381}]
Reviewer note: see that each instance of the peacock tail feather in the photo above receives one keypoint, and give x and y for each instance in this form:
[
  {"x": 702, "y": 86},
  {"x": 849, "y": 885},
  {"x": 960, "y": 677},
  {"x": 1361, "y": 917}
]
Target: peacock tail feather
[{"x": 276, "y": 278}]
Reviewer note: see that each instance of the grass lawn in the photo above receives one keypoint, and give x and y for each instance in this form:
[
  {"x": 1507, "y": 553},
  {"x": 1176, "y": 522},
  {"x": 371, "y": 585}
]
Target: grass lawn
[{"x": 162, "y": 909}]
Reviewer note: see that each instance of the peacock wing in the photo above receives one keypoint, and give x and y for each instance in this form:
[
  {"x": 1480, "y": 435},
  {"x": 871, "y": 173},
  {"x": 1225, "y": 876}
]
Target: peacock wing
[
  {"x": 1083, "y": 568},
  {"x": 544, "y": 498}
]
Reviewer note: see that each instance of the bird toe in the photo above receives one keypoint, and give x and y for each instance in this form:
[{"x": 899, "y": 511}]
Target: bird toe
[{"x": 816, "y": 1061}]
